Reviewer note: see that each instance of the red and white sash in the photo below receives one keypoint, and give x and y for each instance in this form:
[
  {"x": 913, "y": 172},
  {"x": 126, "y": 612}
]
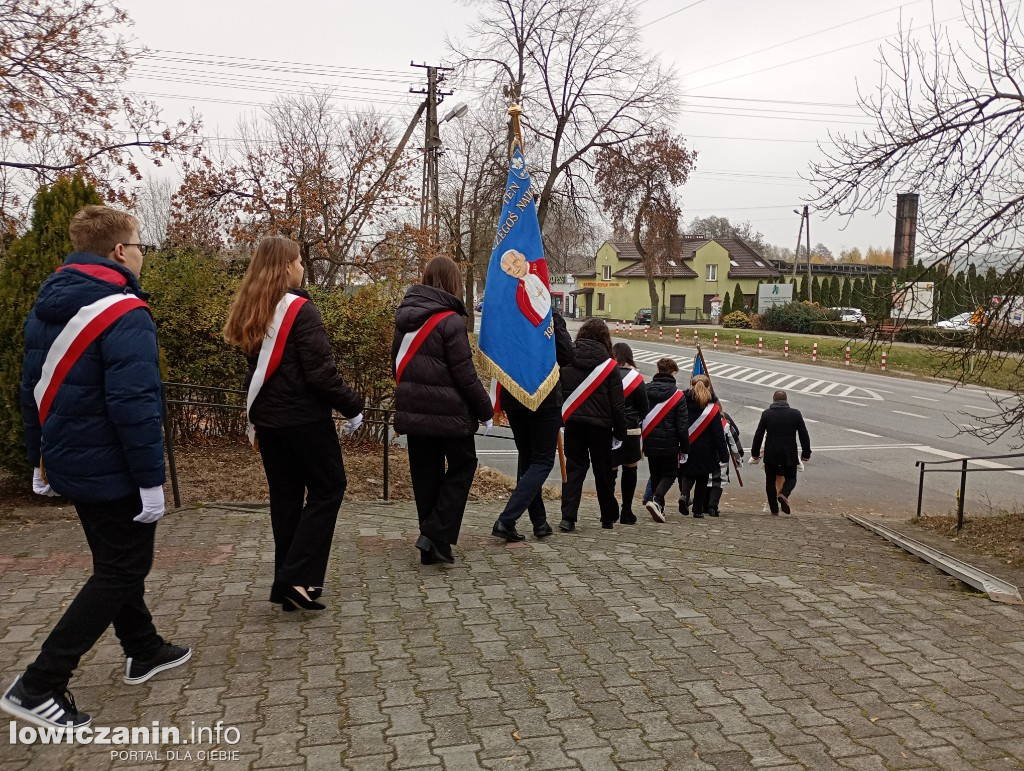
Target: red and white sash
[
  {"x": 272, "y": 350},
  {"x": 703, "y": 420},
  {"x": 658, "y": 413},
  {"x": 587, "y": 387},
  {"x": 83, "y": 328},
  {"x": 412, "y": 341},
  {"x": 630, "y": 382}
]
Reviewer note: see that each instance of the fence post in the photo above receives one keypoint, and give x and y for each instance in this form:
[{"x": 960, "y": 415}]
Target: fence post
[
  {"x": 960, "y": 503},
  {"x": 920, "y": 487},
  {"x": 387, "y": 446},
  {"x": 169, "y": 443}
]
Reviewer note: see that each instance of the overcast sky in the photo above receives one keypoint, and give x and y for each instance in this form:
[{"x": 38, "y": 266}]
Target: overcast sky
[{"x": 744, "y": 68}]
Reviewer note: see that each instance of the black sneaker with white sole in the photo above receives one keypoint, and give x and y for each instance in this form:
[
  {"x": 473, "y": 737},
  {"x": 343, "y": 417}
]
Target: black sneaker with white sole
[
  {"x": 168, "y": 657},
  {"x": 49, "y": 710}
]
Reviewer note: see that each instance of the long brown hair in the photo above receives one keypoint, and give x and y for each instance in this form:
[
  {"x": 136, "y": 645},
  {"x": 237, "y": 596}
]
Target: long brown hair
[
  {"x": 596, "y": 329},
  {"x": 442, "y": 273},
  {"x": 265, "y": 283},
  {"x": 701, "y": 388}
]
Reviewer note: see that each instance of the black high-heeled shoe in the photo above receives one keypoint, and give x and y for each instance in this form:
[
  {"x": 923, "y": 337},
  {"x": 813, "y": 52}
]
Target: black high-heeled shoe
[{"x": 295, "y": 598}]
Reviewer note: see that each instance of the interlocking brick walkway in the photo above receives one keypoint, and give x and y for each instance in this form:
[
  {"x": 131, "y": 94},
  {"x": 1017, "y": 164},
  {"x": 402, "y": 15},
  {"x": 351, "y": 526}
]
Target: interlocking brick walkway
[{"x": 742, "y": 642}]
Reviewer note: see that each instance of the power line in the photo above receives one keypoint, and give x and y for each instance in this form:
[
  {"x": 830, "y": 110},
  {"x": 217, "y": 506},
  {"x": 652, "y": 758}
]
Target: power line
[
  {"x": 667, "y": 15},
  {"x": 772, "y": 101}
]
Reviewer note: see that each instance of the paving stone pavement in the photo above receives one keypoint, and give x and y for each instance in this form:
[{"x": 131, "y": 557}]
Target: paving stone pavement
[{"x": 742, "y": 642}]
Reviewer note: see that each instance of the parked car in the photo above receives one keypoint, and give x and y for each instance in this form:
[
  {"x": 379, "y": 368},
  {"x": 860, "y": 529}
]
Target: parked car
[
  {"x": 643, "y": 316},
  {"x": 960, "y": 321},
  {"x": 851, "y": 314}
]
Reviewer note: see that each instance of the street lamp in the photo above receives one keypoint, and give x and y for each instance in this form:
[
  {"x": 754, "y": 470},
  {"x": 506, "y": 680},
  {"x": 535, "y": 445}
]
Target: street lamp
[{"x": 458, "y": 111}]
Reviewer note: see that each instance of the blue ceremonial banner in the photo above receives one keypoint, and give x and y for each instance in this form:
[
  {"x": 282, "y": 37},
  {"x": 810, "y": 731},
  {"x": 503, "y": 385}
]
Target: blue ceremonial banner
[
  {"x": 700, "y": 367},
  {"x": 517, "y": 336}
]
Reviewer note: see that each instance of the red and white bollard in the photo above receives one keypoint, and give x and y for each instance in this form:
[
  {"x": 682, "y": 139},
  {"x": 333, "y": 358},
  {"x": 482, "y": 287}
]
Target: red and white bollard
[
  {"x": 760, "y": 346},
  {"x": 617, "y": 327},
  {"x": 661, "y": 332},
  {"x": 677, "y": 334},
  {"x": 646, "y": 327},
  {"x": 715, "y": 343},
  {"x": 696, "y": 340},
  {"x": 883, "y": 361},
  {"x": 737, "y": 342},
  {"x": 631, "y": 329},
  {"x": 814, "y": 354},
  {"x": 847, "y": 356},
  {"x": 785, "y": 350}
]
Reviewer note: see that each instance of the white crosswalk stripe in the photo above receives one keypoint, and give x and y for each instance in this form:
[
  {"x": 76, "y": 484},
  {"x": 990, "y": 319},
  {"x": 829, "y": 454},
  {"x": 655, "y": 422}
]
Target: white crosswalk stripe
[{"x": 764, "y": 377}]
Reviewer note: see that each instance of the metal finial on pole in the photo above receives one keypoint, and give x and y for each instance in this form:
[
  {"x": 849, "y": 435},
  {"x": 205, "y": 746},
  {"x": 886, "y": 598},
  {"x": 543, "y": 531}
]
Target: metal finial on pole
[{"x": 514, "y": 110}]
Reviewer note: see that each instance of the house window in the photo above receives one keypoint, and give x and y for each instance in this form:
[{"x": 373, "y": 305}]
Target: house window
[
  {"x": 712, "y": 273},
  {"x": 606, "y": 272},
  {"x": 600, "y": 301},
  {"x": 677, "y": 303}
]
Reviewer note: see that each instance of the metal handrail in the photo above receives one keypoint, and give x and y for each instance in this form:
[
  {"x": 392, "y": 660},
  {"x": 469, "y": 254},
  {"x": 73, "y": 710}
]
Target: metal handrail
[{"x": 963, "y": 471}]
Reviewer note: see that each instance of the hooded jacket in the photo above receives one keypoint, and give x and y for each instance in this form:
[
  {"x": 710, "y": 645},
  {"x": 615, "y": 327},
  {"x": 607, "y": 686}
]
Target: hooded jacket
[
  {"x": 103, "y": 437},
  {"x": 306, "y": 385},
  {"x": 605, "y": 407},
  {"x": 440, "y": 393},
  {"x": 669, "y": 437},
  {"x": 709, "y": 450}
]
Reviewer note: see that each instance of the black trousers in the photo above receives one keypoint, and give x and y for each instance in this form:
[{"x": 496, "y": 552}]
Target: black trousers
[
  {"x": 772, "y": 470},
  {"x": 701, "y": 493},
  {"x": 663, "y": 469},
  {"x": 588, "y": 447},
  {"x": 536, "y": 436},
  {"x": 441, "y": 493},
  {"x": 306, "y": 477},
  {"x": 122, "y": 555}
]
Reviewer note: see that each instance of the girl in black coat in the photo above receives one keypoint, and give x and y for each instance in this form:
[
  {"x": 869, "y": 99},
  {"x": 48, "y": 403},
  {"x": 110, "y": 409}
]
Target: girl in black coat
[
  {"x": 439, "y": 403},
  {"x": 297, "y": 438},
  {"x": 708, "y": 449},
  {"x": 666, "y": 442},
  {"x": 590, "y": 428},
  {"x": 628, "y": 455}
]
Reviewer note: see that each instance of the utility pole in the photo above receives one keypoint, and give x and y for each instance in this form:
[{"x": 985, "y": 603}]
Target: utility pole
[
  {"x": 429, "y": 195},
  {"x": 810, "y": 280},
  {"x": 799, "y": 235}
]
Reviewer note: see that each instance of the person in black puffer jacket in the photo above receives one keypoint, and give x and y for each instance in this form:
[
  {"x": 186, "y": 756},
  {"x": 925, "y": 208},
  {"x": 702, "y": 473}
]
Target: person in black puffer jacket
[
  {"x": 589, "y": 430},
  {"x": 439, "y": 404},
  {"x": 629, "y": 454},
  {"x": 536, "y": 436},
  {"x": 291, "y": 412},
  {"x": 708, "y": 448},
  {"x": 666, "y": 443}
]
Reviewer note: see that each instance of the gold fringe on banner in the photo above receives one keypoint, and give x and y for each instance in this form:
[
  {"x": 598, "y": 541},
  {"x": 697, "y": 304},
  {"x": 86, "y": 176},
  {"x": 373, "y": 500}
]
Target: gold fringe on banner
[{"x": 528, "y": 400}]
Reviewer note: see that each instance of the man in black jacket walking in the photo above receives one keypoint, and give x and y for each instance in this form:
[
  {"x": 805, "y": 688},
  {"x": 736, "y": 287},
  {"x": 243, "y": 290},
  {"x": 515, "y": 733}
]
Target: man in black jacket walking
[{"x": 779, "y": 426}]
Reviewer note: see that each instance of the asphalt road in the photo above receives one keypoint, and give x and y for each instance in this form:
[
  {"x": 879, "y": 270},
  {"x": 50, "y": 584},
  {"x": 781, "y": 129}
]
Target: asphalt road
[{"x": 867, "y": 430}]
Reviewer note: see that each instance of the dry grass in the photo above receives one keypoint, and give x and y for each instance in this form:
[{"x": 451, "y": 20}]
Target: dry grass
[{"x": 1000, "y": 537}]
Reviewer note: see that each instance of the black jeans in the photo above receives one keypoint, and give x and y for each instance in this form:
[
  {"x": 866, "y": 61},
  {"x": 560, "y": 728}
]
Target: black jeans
[
  {"x": 298, "y": 459},
  {"x": 663, "y": 470},
  {"x": 772, "y": 470},
  {"x": 441, "y": 494},
  {"x": 536, "y": 435},
  {"x": 587, "y": 446},
  {"x": 122, "y": 555}
]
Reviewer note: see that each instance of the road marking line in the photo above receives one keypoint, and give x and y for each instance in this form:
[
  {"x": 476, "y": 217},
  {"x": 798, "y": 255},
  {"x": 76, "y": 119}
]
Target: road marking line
[
  {"x": 828, "y": 388},
  {"x": 852, "y": 404},
  {"x": 987, "y": 409},
  {"x": 752, "y": 407},
  {"x": 810, "y": 420},
  {"x": 849, "y": 390},
  {"x": 864, "y": 433},
  {"x": 798, "y": 380},
  {"x": 924, "y": 398},
  {"x": 911, "y": 414},
  {"x": 760, "y": 380},
  {"x": 957, "y": 456},
  {"x": 809, "y": 388}
]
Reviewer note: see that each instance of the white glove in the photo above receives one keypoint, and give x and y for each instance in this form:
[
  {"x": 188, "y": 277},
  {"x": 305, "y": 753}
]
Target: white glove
[
  {"x": 40, "y": 487},
  {"x": 754, "y": 460},
  {"x": 800, "y": 466},
  {"x": 152, "y": 504},
  {"x": 488, "y": 425},
  {"x": 352, "y": 425},
  {"x": 616, "y": 444},
  {"x": 683, "y": 458}
]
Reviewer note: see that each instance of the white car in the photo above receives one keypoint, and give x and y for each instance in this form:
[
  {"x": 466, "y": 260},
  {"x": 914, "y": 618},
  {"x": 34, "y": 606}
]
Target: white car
[
  {"x": 960, "y": 321},
  {"x": 850, "y": 314}
]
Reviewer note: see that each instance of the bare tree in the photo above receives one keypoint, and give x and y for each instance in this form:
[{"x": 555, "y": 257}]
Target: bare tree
[
  {"x": 949, "y": 125},
  {"x": 153, "y": 208},
  {"x": 303, "y": 170},
  {"x": 63, "y": 110},
  {"x": 638, "y": 185},
  {"x": 581, "y": 76}
]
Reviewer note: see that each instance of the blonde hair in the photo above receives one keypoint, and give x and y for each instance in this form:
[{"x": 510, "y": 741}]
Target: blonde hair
[
  {"x": 701, "y": 388},
  {"x": 98, "y": 229},
  {"x": 265, "y": 283}
]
